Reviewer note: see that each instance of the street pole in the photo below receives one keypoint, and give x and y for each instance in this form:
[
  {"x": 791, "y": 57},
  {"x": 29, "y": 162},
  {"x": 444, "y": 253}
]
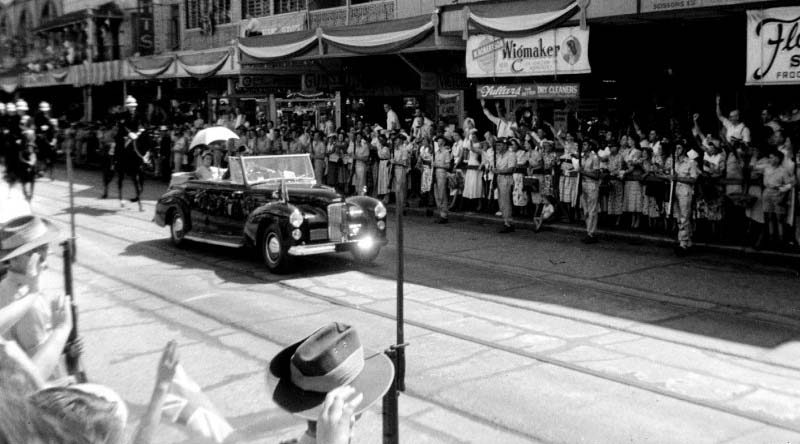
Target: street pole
[
  {"x": 72, "y": 237},
  {"x": 400, "y": 368},
  {"x": 391, "y": 420}
]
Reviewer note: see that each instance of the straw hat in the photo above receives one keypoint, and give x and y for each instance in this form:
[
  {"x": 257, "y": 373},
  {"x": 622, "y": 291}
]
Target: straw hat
[
  {"x": 302, "y": 374},
  {"x": 23, "y": 234}
]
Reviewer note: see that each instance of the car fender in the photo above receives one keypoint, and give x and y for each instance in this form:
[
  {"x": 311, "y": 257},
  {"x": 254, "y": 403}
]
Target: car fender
[
  {"x": 172, "y": 200},
  {"x": 266, "y": 214},
  {"x": 367, "y": 204}
]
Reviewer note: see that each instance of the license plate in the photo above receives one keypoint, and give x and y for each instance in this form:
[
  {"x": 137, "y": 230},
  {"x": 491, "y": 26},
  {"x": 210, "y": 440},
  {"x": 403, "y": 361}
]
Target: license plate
[{"x": 319, "y": 234}]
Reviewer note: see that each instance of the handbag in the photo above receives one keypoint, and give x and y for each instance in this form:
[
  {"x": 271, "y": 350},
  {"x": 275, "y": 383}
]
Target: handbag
[{"x": 530, "y": 184}]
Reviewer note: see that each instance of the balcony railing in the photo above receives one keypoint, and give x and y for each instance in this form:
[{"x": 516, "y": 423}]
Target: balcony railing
[
  {"x": 353, "y": 15},
  {"x": 371, "y": 12}
]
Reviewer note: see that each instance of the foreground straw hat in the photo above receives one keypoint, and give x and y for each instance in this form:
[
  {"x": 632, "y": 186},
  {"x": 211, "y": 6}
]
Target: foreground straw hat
[
  {"x": 302, "y": 374},
  {"x": 23, "y": 234}
]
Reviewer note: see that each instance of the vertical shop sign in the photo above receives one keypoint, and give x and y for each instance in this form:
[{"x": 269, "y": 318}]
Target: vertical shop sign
[
  {"x": 773, "y": 46},
  {"x": 450, "y": 104},
  {"x": 145, "y": 34}
]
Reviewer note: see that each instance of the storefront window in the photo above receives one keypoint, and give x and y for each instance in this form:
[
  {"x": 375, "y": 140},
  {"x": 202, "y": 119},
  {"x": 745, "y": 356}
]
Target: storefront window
[
  {"x": 284, "y": 6},
  {"x": 198, "y": 11},
  {"x": 255, "y": 8}
]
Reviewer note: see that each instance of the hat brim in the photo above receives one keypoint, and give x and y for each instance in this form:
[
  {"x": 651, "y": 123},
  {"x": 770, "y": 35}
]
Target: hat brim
[
  {"x": 51, "y": 235},
  {"x": 373, "y": 382}
]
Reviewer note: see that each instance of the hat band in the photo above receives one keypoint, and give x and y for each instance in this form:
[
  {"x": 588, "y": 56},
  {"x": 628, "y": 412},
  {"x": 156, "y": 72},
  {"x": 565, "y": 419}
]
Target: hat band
[
  {"x": 22, "y": 237},
  {"x": 342, "y": 374}
]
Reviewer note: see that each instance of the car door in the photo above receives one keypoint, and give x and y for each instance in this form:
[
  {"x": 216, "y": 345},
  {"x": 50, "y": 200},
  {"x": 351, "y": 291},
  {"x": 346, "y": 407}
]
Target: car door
[{"x": 196, "y": 195}]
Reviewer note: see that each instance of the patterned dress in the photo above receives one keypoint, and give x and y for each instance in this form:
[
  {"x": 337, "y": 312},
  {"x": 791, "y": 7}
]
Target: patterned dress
[
  {"x": 520, "y": 196},
  {"x": 384, "y": 171},
  {"x": 425, "y": 160},
  {"x": 613, "y": 202},
  {"x": 634, "y": 200}
]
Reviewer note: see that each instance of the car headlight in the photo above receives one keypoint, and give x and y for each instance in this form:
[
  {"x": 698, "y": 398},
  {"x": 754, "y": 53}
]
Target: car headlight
[
  {"x": 380, "y": 211},
  {"x": 296, "y": 218}
]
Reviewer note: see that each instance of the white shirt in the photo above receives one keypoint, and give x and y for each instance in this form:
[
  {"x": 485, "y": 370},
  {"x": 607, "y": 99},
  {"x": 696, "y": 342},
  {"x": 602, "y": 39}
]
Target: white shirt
[
  {"x": 504, "y": 127},
  {"x": 392, "y": 121},
  {"x": 738, "y": 131}
]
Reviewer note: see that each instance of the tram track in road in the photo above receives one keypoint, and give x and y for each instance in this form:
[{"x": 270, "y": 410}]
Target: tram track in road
[
  {"x": 535, "y": 356},
  {"x": 684, "y": 306}
]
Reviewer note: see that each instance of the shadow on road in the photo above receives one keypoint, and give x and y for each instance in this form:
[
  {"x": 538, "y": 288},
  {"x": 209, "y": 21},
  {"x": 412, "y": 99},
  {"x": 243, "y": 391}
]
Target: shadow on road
[{"x": 562, "y": 275}]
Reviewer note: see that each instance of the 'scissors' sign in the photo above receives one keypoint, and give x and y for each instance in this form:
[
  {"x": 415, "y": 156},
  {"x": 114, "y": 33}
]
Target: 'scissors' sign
[
  {"x": 530, "y": 91},
  {"x": 773, "y": 46},
  {"x": 556, "y": 51}
]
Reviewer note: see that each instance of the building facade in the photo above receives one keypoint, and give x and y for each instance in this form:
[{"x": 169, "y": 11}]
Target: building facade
[{"x": 340, "y": 58}]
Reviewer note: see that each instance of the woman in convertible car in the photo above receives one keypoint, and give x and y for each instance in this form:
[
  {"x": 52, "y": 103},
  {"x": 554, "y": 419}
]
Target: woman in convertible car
[{"x": 204, "y": 171}]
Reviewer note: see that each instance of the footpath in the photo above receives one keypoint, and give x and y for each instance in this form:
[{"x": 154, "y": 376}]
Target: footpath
[{"x": 603, "y": 234}]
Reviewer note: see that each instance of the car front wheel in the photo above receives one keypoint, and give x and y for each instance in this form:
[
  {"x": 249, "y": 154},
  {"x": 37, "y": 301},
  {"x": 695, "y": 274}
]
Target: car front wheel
[
  {"x": 177, "y": 228},
  {"x": 273, "y": 249}
]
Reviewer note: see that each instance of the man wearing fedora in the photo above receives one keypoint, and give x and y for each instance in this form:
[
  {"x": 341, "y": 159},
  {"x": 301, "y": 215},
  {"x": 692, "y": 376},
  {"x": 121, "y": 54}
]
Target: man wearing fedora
[
  {"x": 42, "y": 329},
  {"x": 331, "y": 378}
]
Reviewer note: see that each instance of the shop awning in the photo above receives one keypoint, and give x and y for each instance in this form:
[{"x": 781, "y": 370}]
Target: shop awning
[
  {"x": 10, "y": 79},
  {"x": 47, "y": 78},
  {"x": 204, "y": 64},
  {"x": 380, "y": 38},
  {"x": 390, "y": 37},
  {"x": 96, "y": 73},
  {"x": 276, "y": 46},
  {"x": 150, "y": 67},
  {"x": 520, "y": 19},
  {"x": 105, "y": 11}
]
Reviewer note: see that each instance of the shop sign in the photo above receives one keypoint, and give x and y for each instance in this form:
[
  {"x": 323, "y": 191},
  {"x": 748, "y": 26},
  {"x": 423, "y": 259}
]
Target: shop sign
[
  {"x": 427, "y": 81},
  {"x": 263, "y": 84},
  {"x": 554, "y": 52},
  {"x": 671, "y": 5},
  {"x": 530, "y": 91},
  {"x": 773, "y": 46},
  {"x": 145, "y": 40}
]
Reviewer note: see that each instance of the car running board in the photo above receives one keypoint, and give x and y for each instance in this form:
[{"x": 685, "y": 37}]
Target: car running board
[{"x": 224, "y": 241}]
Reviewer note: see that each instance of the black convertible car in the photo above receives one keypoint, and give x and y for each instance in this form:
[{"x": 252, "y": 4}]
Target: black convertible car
[{"x": 274, "y": 204}]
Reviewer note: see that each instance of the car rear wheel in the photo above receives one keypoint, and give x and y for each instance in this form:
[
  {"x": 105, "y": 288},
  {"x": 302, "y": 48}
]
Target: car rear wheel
[
  {"x": 177, "y": 228},
  {"x": 274, "y": 252}
]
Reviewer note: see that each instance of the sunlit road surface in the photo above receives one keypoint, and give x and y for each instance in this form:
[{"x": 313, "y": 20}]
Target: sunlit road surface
[{"x": 516, "y": 338}]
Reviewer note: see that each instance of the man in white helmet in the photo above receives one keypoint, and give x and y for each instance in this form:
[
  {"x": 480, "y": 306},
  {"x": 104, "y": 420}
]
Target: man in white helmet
[{"x": 127, "y": 158}]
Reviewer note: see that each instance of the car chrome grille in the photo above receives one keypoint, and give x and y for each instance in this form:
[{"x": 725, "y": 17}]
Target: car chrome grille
[
  {"x": 318, "y": 234},
  {"x": 337, "y": 222}
]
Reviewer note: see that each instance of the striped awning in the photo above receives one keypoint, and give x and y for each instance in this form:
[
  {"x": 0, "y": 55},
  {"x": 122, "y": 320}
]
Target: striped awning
[
  {"x": 96, "y": 73},
  {"x": 151, "y": 66},
  {"x": 203, "y": 64},
  {"x": 530, "y": 19},
  {"x": 380, "y": 38}
]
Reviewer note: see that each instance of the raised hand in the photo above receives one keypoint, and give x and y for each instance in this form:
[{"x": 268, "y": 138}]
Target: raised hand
[
  {"x": 695, "y": 117},
  {"x": 336, "y": 420},
  {"x": 167, "y": 364}
]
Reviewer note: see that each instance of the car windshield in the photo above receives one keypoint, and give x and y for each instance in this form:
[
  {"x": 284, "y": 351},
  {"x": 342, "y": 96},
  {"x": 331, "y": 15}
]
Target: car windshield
[{"x": 259, "y": 169}]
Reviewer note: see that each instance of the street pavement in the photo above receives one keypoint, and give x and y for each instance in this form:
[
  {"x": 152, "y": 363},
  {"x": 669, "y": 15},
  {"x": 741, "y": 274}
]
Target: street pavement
[{"x": 519, "y": 338}]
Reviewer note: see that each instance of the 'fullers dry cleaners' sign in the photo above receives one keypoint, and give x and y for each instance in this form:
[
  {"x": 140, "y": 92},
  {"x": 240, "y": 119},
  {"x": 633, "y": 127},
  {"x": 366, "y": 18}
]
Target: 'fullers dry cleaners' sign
[
  {"x": 556, "y": 51},
  {"x": 773, "y": 46},
  {"x": 530, "y": 91}
]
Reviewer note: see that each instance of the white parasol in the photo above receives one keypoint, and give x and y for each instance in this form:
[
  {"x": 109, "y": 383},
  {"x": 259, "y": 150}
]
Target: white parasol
[{"x": 213, "y": 134}]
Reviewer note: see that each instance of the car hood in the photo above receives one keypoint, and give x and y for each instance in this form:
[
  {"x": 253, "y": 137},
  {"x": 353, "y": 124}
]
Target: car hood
[{"x": 306, "y": 195}]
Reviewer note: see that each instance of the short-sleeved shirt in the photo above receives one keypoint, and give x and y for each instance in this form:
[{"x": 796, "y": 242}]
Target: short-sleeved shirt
[
  {"x": 737, "y": 131},
  {"x": 35, "y": 326},
  {"x": 776, "y": 176},
  {"x": 506, "y": 160}
]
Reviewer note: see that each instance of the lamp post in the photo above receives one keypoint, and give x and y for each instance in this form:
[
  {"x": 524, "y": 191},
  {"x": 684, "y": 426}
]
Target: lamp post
[{"x": 391, "y": 422}]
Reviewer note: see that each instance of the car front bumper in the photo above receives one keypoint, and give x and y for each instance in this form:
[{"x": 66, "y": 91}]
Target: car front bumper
[{"x": 336, "y": 247}]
